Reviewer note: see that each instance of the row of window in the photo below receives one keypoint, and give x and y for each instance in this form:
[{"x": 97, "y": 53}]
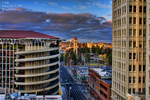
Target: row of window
[
  {"x": 133, "y": 9},
  {"x": 132, "y": 44},
  {"x": 133, "y": 80},
  {"x": 132, "y": 20},
  {"x": 140, "y": 56},
  {"x": 140, "y": 90},
  {"x": 140, "y": 68}
]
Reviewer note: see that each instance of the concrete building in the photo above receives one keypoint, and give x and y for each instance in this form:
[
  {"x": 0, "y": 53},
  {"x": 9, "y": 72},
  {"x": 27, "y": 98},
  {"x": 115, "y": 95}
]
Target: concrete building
[
  {"x": 29, "y": 62},
  {"x": 99, "y": 83},
  {"x": 129, "y": 48}
]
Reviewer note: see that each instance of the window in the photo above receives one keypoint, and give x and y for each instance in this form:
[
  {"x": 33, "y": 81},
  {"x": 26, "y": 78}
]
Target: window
[
  {"x": 140, "y": 32},
  {"x": 144, "y": 10},
  {"x": 144, "y": 32},
  {"x": 140, "y": 10},
  {"x": 140, "y": 44},
  {"x": 130, "y": 32},
  {"x": 130, "y": 68},
  {"x": 133, "y": 79},
  {"x": 144, "y": 21},
  {"x": 134, "y": 55},
  {"x": 129, "y": 91},
  {"x": 130, "y": 44},
  {"x": 144, "y": 56},
  {"x": 140, "y": 56},
  {"x": 130, "y": 55},
  {"x": 140, "y": 90},
  {"x": 143, "y": 79},
  {"x": 144, "y": 44},
  {"x": 134, "y": 8},
  {"x": 133, "y": 67},
  {"x": 129, "y": 79},
  {"x": 130, "y": 8},
  {"x": 143, "y": 67},
  {"x": 139, "y": 79},
  {"x": 134, "y": 32},
  {"x": 134, "y": 44},
  {"x": 140, "y": 20},
  {"x": 140, "y": 68},
  {"x": 133, "y": 90},
  {"x": 130, "y": 20},
  {"x": 134, "y": 20}
]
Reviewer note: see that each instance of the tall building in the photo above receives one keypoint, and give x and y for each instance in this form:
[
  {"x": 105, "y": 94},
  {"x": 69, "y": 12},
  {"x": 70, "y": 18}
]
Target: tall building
[
  {"x": 76, "y": 45},
  {"x": 29, "y": 62},
  {"x": 129, "y": 48}
]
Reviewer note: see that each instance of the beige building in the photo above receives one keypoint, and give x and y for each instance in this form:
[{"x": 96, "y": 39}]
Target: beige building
[
  {"x": 129, "y": 48},
  {"x": 29, "y": 62}
]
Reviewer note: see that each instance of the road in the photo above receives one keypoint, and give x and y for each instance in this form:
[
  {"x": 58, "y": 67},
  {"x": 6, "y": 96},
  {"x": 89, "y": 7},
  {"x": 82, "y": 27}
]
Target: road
[{"x": 75, "y": 91}]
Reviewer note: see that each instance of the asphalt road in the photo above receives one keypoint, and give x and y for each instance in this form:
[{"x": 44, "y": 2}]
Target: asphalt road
[{"x": 75, "y": 91}]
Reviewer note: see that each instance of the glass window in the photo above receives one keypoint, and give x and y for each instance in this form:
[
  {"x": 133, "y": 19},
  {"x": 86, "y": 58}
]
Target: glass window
[
  {"x": 140, "y": 56},
  {"x": 140, "y": 90},
  {"x": 130, "y": 32},
  {"x": 133, "y": 67},
  {"x": 129, "y": 91},
  {"x": 144, "y": 56},
  {"x": 134, "y": 44},
  {"x": 144, "y": 44},
  {"x": 134, "y": 55},
  {"x": 143, "y": 79},
  {"x": 144, "y": 10},
  {"x": 140, "y": 20},
  {"x": 140, "y": 44},
  {"x": 144, "y": 21},
  {"x": 134, "y": 32},
  {"x": 134, "y": 20},
  {"x": 139, "y": 79},
  {"x": 140, "y": 32},
  {"x": 129, "y": 79},
  {"x": 134, "y": 8},
  {"x": 130, "y": 55},
  {"x": 133, "y": 79},
  {"x": 143, "y": 67},
  {"x": 130, "y": 20},
  {"x": 130, "y": 44},
  {"x": 140, "y": 67},
  {"x": 130, "y": 8},
  {"x": 144, "y": 32},
  {"x": 130, "y": 68},
  {"x": 140, "y": 9}
]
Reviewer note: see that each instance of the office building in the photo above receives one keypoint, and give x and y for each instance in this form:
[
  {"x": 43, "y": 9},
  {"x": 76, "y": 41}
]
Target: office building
[
  {"x": 129, "y": 48},
  {"x": 29, "y": 62}
]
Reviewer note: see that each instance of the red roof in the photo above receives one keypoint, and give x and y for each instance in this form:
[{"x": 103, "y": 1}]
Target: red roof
[
  {"x": 75, "y": 38},
  {"x": 23, "y": 34}
]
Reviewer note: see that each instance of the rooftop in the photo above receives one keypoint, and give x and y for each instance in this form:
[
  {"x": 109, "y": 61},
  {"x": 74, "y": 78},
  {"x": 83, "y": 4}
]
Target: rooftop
[
  {"x": 23, "y": 34},
  {"x": 102, "y": 72},
  {"x": 109, "y": 81},
  {"x": 75, "y": 38}
]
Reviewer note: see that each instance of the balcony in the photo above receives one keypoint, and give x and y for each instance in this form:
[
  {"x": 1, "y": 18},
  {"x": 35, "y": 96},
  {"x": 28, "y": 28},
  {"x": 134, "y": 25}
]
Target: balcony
[
  {"x": 36, "y": 59},
  {"x": 38, "y": 74},
  {"x": 49, "y": 79},
  {"x": 20, "y": 52},
  {"x": 40, "y": 66},
  {"x": 50, "y": 86}
]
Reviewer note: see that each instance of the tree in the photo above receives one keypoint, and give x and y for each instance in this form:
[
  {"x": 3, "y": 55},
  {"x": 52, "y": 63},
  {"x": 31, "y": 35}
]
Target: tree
[
  {"x": 110, "y": 58},
  {"x": 87, "y": 57},
  {"x": 73, "y": 57},
  {"x": 66, "y": 57},
  {"x": 62, "y": 57},
  {"x": 79, "y": 58}
]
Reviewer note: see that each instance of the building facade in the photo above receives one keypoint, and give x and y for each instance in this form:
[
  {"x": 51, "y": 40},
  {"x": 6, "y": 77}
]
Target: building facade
[
  {"x": 30, "y": 62},
  {"x": 129, "y": 48},
  {"x": 75, "y": 48},
  {"x": 99, "y": 84}
]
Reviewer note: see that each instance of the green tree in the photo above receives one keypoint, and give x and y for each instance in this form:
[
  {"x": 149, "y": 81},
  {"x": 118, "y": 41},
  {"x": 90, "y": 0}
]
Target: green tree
[
  {"x": 108, "y": 52},
  {"x": 87, "y": 57},
  {"x": 110, "y": 58},
  {"x": 73, "y": 57},
  {"x": 93, "y": 49},
  {"x": 66, "y": 57},
  {"x": 62, "y": 57},
  {"x": 79, "y": 58}
]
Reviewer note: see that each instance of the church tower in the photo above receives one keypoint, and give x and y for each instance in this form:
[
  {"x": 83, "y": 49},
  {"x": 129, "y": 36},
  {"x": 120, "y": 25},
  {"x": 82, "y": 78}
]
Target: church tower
[{"x": 75, "y": 45}]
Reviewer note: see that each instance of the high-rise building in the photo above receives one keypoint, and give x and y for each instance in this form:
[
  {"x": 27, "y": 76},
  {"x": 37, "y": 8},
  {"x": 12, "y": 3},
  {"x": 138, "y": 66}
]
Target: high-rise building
[
  {"x": 129, "y": 48},
  {"x": 29, "y": 62}
]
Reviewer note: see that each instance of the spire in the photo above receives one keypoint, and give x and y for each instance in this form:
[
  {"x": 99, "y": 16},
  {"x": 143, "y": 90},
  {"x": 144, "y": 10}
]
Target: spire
[{"x": 75, "y": 38}]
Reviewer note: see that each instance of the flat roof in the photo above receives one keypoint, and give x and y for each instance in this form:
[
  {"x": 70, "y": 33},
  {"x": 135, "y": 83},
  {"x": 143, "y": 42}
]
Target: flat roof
[
  {"x": 24, "y": 34},
  {"x": 102, "y": 72},
  {"x": 109, "y": 81}
]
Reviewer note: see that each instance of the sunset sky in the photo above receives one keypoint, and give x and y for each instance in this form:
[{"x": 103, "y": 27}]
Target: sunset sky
[{"x": 89, "y": 20}]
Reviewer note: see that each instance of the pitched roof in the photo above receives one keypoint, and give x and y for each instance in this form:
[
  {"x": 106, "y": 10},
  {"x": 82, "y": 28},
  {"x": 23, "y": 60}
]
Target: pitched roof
[
  {"x": 23, "y": 34},
  {"x": 75, "y": 38}
]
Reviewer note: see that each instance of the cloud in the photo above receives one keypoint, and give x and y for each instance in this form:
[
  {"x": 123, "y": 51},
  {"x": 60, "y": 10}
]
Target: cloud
[
  {"x": 82, "y": 7},
  {"x": 85, "y": 26},
  {"x": 65, "y": 7},
  {"x": 52, "y": 3},
  {"x": 100, "y": 5}
]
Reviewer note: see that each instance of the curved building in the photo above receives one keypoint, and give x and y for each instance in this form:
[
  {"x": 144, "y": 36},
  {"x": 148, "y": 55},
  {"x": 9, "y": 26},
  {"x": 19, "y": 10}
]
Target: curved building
[{"x": 37, "y": 61}]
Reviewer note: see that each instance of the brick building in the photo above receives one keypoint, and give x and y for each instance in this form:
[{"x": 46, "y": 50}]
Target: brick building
[{"x": 99, "y": 83}]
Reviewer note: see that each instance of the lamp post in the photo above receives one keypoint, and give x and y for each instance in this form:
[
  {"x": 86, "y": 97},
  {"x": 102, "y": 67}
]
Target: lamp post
[{"x": 69, "y": 92}]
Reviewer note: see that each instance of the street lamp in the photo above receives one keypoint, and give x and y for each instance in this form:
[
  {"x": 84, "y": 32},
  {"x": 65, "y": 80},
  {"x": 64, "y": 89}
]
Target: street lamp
[{"x": 69, "y": 92}]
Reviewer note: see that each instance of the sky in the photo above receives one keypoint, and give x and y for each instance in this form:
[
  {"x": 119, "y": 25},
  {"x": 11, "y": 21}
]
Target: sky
[{"x": 88, "y": 20}]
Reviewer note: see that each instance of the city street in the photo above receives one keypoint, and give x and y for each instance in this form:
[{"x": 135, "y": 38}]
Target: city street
[{"x": 75, "y": 91}]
